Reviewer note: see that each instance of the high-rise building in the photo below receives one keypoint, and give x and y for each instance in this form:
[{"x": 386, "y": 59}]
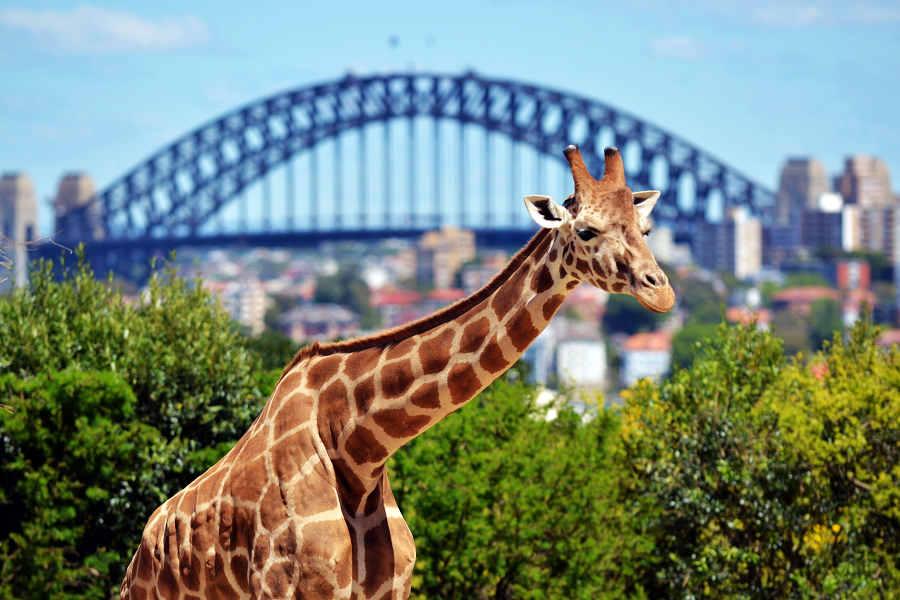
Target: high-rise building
[
  {"x": 833, "y": 224},
  {"x": 440, "y": 255},
  {"x": 76, "y": 217},
  {"x": 18, "y": 224},
  {"x": 866, "y": 182},
  {"x": 734, "y": 245},
  {"x": 802, "y": 182}
]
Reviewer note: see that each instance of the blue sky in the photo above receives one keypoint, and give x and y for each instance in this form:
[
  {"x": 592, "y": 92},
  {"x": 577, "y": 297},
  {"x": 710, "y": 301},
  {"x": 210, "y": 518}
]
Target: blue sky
[{"x": 99, "y": 86}]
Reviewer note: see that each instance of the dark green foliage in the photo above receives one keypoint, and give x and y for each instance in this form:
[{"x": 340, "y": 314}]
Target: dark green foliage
[
  {"x": 687, "y": 343},
  {"x": 745, "y": 475},
  {"x": 824, "y": 320},
  {"x": 347, "y": 287},
  {"x": 190, "y": 380},
  {"x": 624, "y": 314},
  {"x": 700, "y": 301},
  {"x": 275, "y": 349},
  {"x": 73, "y": 465},
  {"x": 504, "y": 504}
]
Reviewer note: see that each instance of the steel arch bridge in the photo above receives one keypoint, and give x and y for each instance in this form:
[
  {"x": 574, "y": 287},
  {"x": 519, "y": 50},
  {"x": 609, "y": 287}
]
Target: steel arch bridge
[{"x": 169, "y": 199}]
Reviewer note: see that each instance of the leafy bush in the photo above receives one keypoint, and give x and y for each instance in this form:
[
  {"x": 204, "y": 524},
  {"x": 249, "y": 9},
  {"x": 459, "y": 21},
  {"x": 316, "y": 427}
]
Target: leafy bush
[
  {"x": 189, "y": 378},
  {"x": 74, "y": 470},
  {"x": 758, "y": 476},
  {"x": 505, "y": 504}
]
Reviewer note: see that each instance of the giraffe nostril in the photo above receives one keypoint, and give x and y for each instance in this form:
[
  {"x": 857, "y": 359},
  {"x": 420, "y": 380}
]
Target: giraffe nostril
[{"x": 650, "y": 280}]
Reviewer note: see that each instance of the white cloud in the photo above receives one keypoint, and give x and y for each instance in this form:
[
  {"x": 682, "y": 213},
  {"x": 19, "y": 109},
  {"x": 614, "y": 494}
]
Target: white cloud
[
  {"x": 682, "y": 47},
  {"x": 787, "y": 13},
  {"x": 91, "y": 29}
]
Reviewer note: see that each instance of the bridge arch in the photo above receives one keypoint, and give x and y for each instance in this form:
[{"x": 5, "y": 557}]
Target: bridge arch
[{"x": 180, "y": 187}]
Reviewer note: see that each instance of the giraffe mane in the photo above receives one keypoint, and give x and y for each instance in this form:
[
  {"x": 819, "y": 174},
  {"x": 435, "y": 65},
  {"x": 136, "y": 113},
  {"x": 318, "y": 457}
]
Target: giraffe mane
[{"x": 418, "y": 326}]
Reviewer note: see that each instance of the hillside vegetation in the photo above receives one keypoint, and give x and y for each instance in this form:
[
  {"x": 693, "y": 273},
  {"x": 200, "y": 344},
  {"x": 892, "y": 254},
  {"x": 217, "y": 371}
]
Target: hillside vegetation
[{"x": 746, "y": 475}]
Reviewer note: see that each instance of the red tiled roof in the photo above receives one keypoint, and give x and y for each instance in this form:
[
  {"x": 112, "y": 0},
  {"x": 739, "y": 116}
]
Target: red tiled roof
[
  {"x": 395, "y": 297},
  {"x": 746, "y": 316},
  {"x": 889, "y": 337},
  {"x": 447, "y": 294},
  {"x": 806, "y": 294},
  {"x": 656, "y": 340}
]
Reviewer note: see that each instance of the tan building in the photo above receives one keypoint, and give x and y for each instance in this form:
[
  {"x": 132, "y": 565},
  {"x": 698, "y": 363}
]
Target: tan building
[
  {"x": 74, "y": 222},
  {"x": 18, "y": 225},
  {"x": 441, "y": 254},
  {"x": 876, "y": 229},
  {"x": 866, "y": 182},
  {"x": 802, "y": 182}
]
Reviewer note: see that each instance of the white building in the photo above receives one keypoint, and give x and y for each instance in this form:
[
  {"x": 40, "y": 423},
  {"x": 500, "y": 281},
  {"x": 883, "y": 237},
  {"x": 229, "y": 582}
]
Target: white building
[
  {"x": 244, "y": 300},
  {"x": 646, "y": 355},
  {"x": 568, "y": 352}
]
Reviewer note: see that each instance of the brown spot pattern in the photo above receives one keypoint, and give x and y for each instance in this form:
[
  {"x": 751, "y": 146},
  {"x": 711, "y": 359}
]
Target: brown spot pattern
[
  {"x": 473, "y": 335},
  {"x": 401, "y": 349},
  {"x": 397, "y": 423},
  {"x": 426, "y": 396},
  {"x": 323, "y": 370},
  {"x": 509, "y": 294},
  {"x": 363, "y": 447},
  {"x": 552, "y": 305},
  {"x": 379, "y": 565},
  {"x": 361, "y": 362},
  {"x": 521, "y": 330},
  {"x": 492, "y": 359},
  {"x": 463, "y": 382},
  {"x": 364, "y": 393},
  {"x": 396, "y": 378},
  {"x": 543, "y": 280},
  {"x": 434, "y": 353},
  {"x": 333, "y": 413}
]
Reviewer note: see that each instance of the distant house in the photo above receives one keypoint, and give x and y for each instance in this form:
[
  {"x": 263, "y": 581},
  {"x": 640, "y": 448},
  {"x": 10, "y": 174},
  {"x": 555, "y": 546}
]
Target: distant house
[
  {"x": 799, "y": 300},
  {"x": 244, "y": 300},
  {"x": 397, "y": 306},
  {"x": 568, "y": 352},
  {"x": 646, "y": 355},
  {"x": 319, "y": 321},
  {"x": 889, "y": 338},
  {"x": 440, "y": 298},
  {"x": 742, "y": 315}
]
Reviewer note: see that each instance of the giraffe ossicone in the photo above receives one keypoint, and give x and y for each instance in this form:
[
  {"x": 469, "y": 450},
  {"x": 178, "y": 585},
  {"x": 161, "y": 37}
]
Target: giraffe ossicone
[{"x": 301, "y": 507}]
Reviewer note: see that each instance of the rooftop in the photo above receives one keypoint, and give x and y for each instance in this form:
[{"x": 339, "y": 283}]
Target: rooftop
[{"x": 659, "y": 341}]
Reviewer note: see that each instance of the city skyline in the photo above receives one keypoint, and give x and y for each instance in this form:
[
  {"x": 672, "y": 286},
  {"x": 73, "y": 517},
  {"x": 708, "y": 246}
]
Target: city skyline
[{"x": 164, "y": 72}]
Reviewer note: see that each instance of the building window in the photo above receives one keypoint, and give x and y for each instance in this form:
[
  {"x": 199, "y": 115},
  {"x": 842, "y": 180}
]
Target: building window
[{"x": 29, "y": 233}]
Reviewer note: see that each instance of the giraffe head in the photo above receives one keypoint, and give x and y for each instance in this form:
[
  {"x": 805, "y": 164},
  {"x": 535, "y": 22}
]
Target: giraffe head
[{"x": 602, "y": 228}]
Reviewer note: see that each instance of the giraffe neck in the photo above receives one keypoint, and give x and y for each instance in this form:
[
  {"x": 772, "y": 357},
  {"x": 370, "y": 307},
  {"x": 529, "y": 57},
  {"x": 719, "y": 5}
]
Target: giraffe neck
[{"x": 406, "y": 386}]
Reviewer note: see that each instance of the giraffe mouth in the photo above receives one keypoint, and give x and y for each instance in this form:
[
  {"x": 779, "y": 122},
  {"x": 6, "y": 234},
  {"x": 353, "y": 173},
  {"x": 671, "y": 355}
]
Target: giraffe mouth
[{"x": 661, "y": 303}]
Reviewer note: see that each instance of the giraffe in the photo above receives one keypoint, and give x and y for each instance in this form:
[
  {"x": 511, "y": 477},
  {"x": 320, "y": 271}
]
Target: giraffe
[{"x": 301, "y": 507}]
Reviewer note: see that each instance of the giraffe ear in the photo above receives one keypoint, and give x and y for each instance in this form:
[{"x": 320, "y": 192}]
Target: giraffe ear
[
  {"x": 645, "y": 201},
  {"x": 546, "y": 212}
]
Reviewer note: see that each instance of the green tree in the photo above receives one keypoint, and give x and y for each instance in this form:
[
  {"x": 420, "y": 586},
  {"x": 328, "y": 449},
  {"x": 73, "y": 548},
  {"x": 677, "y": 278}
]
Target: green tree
[
  {"x": 688, "y": 343},
  {"x": 347, "y": 287},
  {"x": 74, "y": 469},
  {"x": 824, "y": 320},
  {"x": 759, "y": 477},
  {"x": 700, "y": 301},
  {"x": 192, "y": 378},
  {"x": 624, "y": 314},
  {"x": 506, "y": 504},
  {"x": 274, "y": 349}
]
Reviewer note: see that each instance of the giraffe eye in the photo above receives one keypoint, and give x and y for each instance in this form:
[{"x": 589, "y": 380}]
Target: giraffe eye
[{"x": 586, "y": 234}]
